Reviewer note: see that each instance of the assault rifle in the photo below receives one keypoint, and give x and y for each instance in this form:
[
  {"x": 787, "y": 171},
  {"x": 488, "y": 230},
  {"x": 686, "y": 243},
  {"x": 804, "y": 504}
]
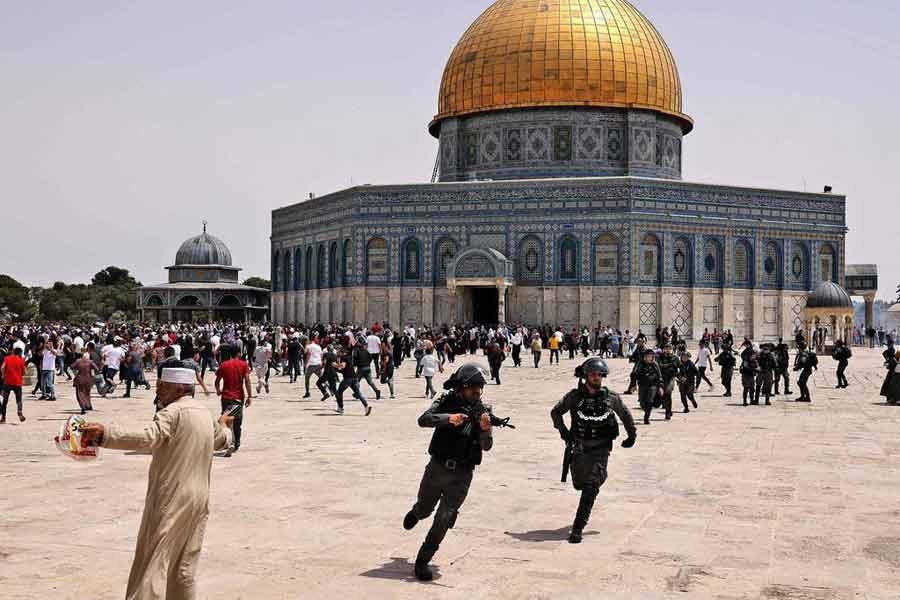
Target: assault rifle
[
  {"x": 567, "y": 462},
  {"x": 474, "y": 418}
]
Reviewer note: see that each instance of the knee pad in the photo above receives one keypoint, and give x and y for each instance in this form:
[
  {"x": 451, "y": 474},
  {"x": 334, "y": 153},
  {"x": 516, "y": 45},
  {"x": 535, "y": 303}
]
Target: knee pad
[{"x": 446, "y": 517}]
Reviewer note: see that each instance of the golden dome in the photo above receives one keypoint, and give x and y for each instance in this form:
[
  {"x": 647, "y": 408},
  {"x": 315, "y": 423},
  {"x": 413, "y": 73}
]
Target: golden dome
[{"x": 531, "y": 53}]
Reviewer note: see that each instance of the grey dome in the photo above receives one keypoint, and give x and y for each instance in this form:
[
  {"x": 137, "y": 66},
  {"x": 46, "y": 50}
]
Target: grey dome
[
  {"x": 203, "y": 249},
  {"x": 829, "y": 295}
]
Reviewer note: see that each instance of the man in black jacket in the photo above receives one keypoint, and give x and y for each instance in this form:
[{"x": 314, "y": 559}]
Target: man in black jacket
[
  {"x": 842, "y": 354},
  {"x": 456, "y": 449}
]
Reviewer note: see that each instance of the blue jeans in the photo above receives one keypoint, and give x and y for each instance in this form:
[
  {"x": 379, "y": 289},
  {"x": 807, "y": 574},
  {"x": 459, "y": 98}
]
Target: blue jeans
[
  {"x": 353, "y": 384},
  {"x": 48, "y": 378}
]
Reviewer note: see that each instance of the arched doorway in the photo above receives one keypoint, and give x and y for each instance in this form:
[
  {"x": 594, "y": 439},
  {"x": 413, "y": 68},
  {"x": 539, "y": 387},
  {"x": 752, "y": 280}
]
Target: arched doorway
[
  {"x": 186, "y": 308},
  {"x": 229, "y": 308}
]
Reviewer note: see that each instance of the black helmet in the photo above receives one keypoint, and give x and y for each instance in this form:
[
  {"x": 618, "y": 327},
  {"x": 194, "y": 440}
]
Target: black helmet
[
  {"x": 469, "y": 374},
  {"x": 595, "y": 364}
]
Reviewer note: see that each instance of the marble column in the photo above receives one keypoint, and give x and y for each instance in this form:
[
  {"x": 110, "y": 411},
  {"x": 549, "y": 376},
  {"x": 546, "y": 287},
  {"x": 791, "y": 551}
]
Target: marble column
[{"x": 501, "y": 303}]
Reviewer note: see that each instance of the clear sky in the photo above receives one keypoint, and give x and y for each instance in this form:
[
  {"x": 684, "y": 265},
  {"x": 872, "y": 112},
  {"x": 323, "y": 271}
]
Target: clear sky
[{"x": 125, "y": 124}]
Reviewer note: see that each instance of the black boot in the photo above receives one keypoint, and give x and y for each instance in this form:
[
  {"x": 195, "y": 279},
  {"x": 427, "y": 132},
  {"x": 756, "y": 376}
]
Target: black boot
[
  {"x": 423, "y": 571},
  {"x": 575, "y": 536},
  {"x": 647, "y": 416},
  {"x": 410, "y": 521}
]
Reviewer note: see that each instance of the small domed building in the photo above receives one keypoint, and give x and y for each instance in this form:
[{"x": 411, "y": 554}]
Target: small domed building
[
  {"x": 830, "y": 307},
  {"x": 557, "y": 198},
  {"x": 203, "y": 286}
]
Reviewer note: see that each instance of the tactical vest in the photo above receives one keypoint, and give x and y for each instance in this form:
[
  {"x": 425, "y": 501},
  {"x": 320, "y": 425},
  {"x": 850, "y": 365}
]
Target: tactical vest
[
  {"x": 593, "y": 419},
  {"x": 451, "y": 443},
  {"x": 668, "y": 366}
]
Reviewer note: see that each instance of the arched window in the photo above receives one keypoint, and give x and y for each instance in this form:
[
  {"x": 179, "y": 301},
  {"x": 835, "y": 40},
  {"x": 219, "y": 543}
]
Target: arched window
[
  {"x": 568, "y": 259},
  {"x": 531, "y": 261},
  {"x": 286, "y": 272},
  {"x": 682, "y": 261},
  {"x": 606, "y": 258},
  {"x": 310, "y": 278},
  {"x": 276, "y": 268},
  {"x": 712, "y": 271},
  {"x": 444, "y": 253},
  {"x": 798, "y": 272},
  {"x": 298, "y": 269},
  {"x": 772, "y": 266},
  {"x": 412, "y": 260},
  {"x": 321, "y": 267},
  {"x": 743, "y": 263},
  {"x": 649, "y": 259},
  {"x": 335, "y": 270},
  {"x": 347, "y": 263},
  {"x": 827, "y": 263},
  {"x": 377, "y": 260}
]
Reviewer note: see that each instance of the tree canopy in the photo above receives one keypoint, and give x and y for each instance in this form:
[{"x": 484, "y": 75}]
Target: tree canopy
[
  {"x": 258, "y": 282},
  {"x": 15, "y": 299},
  {"x": 114, "y": 276}
]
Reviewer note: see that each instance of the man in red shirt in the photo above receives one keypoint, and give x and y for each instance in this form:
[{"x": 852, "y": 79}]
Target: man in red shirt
[
  {"x": 234, "y": 388},
  {"x": 13, "y": 374}
]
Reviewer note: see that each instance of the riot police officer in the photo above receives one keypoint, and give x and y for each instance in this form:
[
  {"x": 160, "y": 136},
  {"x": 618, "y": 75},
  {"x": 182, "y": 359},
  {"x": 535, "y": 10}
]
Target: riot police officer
[
  {"x": 766, "y": 375},
  {"x": 805, "y": 362},
  {"x": 668, "y": 367},
  {"x": 592, "y": 411},
  {"x": 782, "y": 353},
  {"x": 842, "y": 355},
  {"x": 649, "y": 380},
  {"x": 727, "y": 361},
  {"x": 635, "y": 359},
  {"x": 462, "y": 431}
]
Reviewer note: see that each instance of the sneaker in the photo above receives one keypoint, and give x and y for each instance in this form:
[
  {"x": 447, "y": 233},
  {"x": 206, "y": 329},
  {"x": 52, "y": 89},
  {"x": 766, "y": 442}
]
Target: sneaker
[
  {"x": 393, "y": 397},
  {"x": 306, "y": 395},
  {"x": 339, "y": 411},
  {"x": 258, "y": 389},
  {"x": 325, "y": 397},
  {"x": 368, "y": 410},
  {"x": 694, "y": 402},
  {"x": 51, "y": 399},
  {"x": 378, "y": 394},
  {"x": 229, "y": 452}
]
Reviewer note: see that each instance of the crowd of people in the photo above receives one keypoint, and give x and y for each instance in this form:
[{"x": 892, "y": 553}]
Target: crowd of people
[
  {"x": 99, "y": 358},
  {"x": 343, "y": 357}
]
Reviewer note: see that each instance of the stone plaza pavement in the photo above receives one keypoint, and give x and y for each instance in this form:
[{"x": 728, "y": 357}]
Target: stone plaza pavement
[{"x": 785, "y": 502}]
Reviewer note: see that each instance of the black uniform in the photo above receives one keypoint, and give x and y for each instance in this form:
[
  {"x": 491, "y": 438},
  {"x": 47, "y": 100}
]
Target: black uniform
[
  {"x": 766, "y": 375},
  {"x": 687, "y": 375},
  {"x": 749, "y": 367},
  {"x": 805, "y": 362},
  {"x": 635, "y": 359},
  {"x": 455, "y": 452},
  {"x": 593, "y": 429},
  {"x": 649, "y": 380},
  {"x": 842, "y": 354},
  {"x": 782, "y": 354},
  {"x": 669, "y": 367},
  {"x": 727, "y": 361}
]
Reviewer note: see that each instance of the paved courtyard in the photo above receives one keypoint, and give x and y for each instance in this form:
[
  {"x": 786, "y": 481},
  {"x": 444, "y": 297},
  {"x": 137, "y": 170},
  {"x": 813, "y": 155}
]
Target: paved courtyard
[{"x": 789, "y": 502}]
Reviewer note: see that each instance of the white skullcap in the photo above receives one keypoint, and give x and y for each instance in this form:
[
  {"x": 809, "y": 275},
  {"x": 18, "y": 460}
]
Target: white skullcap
[{"x": 182, "y": 376}]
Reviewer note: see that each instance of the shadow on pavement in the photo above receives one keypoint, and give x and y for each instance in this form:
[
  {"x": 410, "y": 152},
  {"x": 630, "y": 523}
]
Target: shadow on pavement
[
  {"x": 398, "y": 569},
  {"x": 545, "y": 535}
]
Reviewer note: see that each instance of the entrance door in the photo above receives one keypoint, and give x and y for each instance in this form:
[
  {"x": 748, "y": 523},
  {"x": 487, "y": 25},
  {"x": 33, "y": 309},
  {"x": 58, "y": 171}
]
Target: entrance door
[{"x": 485, "y": 305}]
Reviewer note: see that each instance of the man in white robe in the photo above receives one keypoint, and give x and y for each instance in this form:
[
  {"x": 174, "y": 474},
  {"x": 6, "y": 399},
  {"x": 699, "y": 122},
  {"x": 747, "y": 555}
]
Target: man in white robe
[{"x": 182, "y": 439}]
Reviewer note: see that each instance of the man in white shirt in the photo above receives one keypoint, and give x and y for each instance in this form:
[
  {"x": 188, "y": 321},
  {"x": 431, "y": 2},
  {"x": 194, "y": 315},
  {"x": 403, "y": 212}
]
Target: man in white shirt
[
  {"x": 48, "y": 371},
  {"x": 112, "y": 358},
  {"x": 261, "y": 357},
  {"x": 314, "y": 365},
  {"x": 516, "y": 341},
  {"x": 373, "y": 345}
]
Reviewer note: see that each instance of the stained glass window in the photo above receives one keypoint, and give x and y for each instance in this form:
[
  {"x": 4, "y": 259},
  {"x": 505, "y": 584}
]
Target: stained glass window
[
  {"x": 530, "y": 263},
  {"x": 445, "y": 253},
  {"x": 681, "y": 258},
  {"x": 770, "y": 266},
  {"x": 568, "y": 256},
  {"x": 411, "y": 254}
]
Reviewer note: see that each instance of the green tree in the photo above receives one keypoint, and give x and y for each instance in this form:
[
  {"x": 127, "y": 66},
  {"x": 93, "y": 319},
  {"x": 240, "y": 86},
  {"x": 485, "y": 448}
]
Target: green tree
[
  {"x": 15, "y": 299},
  {"x": 258, "y": 282},
  {"x": 115, "y": 276}
]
